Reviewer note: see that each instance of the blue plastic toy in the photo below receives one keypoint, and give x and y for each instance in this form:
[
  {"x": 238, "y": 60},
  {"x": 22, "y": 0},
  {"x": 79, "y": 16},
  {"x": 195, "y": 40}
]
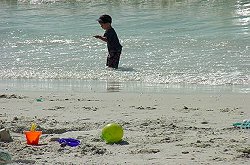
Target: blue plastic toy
[
  {"x": 244, "y": 125},
  {"x": 69, "y": 141}
]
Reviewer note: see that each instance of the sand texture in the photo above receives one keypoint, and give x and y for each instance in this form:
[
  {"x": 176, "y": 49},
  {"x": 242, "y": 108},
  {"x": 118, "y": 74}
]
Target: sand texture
[{"x": 159, "y": 129}]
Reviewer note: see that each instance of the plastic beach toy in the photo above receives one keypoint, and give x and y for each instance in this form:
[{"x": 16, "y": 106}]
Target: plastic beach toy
[
  {"x": 244, "y": 125},
  {"x": 69, "y": 141},
  {"x": 5, "y": 157},
  {"x": 39, "y": 100},
  {"x": 33, "y": 127},
  {"x": 33, "y": 136},
  {"x": 112, "y": 133}
]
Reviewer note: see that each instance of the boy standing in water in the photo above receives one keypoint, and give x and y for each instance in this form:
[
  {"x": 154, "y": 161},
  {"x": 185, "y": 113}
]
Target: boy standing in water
[{"x": 113, "y": 44}]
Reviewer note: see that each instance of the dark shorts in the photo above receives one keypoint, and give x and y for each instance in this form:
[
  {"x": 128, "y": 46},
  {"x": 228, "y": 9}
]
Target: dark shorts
[{"x": 113, "y": 59}]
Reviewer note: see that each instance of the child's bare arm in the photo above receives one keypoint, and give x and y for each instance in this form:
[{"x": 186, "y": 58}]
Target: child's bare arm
[{"x": 101, "y": 38}]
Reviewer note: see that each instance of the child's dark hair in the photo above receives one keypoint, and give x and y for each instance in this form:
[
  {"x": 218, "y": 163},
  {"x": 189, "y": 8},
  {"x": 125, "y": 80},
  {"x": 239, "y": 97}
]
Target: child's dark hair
[{"x": 105, "y": 19}]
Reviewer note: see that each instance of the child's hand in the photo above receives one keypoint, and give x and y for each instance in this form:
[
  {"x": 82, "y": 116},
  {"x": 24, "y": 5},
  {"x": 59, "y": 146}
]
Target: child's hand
[
  {"x": 97, "y": 36},
  {"x": 101, "y": 38}
]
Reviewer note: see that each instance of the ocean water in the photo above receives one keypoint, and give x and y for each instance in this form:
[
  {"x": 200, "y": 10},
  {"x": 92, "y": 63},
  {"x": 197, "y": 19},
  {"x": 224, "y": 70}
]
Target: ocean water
[{"x": 203, "y": 43}]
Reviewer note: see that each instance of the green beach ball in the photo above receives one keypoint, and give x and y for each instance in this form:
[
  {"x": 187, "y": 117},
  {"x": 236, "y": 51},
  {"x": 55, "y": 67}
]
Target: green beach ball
[{"x": 112, "y": 133}]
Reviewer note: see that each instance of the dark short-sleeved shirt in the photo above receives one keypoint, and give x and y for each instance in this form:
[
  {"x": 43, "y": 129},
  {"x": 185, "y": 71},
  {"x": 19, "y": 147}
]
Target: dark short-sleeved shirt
[{"x": 113, "y": 43}]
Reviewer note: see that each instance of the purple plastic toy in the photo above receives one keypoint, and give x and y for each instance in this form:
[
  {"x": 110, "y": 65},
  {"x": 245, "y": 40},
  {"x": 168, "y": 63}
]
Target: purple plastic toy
[{"x": 69, "y": 141}]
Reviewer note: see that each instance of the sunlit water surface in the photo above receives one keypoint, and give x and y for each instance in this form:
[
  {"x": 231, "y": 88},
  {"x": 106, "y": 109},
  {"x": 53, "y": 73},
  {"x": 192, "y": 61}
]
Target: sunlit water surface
[{"x": 165, "y": 42}]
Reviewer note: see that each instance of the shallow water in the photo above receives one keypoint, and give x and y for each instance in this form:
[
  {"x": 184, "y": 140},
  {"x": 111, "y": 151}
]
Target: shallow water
[{"x": 167, "y": 42}]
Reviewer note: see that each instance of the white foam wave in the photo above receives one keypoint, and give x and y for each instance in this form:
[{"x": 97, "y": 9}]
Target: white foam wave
[
  {"x": 126, "y": 75},
  {"x": 39, "y": 1}
]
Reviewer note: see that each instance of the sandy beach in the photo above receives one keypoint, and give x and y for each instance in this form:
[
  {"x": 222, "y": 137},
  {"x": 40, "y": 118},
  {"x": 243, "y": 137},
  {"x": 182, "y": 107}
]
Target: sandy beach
[
  {"x": 181, "y": 91},
  {"x": 158, "y": 128}
]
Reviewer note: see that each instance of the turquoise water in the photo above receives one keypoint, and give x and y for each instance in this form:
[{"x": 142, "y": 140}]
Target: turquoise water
[{"x": 170, "y": 42}]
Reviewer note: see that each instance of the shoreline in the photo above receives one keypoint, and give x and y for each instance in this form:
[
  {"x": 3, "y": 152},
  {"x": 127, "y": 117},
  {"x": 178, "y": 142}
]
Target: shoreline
[{"x": 106, "y": 86}]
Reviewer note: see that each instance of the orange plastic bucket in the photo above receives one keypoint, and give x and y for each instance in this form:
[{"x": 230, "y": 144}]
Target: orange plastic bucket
[{"x": 32, "y": 137}]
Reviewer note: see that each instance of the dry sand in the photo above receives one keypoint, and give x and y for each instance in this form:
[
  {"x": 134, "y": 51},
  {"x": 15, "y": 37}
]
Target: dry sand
[{"x": 158, "y": 128}]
